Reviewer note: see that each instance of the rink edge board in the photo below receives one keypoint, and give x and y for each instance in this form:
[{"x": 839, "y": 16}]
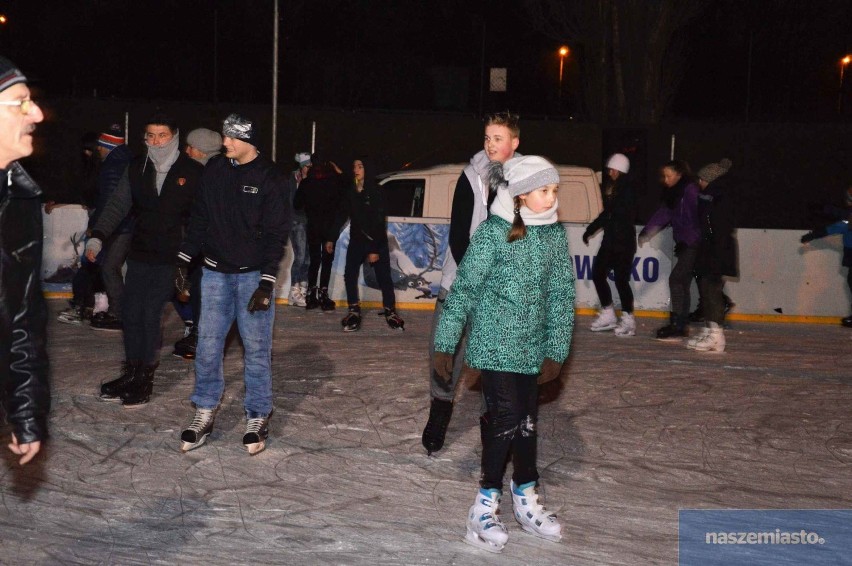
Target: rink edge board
[{"x": 742, "y": 317}]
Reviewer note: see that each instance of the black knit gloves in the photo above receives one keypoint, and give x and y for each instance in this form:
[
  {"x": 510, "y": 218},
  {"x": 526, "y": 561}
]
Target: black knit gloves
[
  {"x": 549, "y": 370},
  {"x": 586, "y": 236},
  {"x": 261, "y": 299}
]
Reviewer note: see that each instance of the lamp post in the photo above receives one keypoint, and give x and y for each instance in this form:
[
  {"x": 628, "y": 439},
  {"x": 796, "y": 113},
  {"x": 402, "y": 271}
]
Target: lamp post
[
  {"x": 563, "y": 52},
  {"x": 843, "y": 62}
]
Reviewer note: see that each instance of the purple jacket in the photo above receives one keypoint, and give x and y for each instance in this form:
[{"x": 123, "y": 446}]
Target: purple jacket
[{"x": 683, "y": 218}]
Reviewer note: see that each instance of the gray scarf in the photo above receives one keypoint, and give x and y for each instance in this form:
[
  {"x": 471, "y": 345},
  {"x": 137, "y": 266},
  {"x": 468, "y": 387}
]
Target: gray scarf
[{"x": 163, "y": 157}]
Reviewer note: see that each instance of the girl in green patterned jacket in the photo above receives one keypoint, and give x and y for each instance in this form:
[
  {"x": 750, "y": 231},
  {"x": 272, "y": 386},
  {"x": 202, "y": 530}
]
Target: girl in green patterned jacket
[{"x": 516, "y": 283}]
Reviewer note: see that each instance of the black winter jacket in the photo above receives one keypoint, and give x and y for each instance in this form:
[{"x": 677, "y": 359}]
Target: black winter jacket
[
  {"x": 717, "y": 251},
  {"x": 617, "y": 218},
  {"x": 319, "y": 196},
  {"x": 23, "y": 313},
  {"x": 366, "y": 213},
  {"x": 159, "y": 220},
  {"x": 241, "y": 219},
  {"x": 111, "y": 171}
]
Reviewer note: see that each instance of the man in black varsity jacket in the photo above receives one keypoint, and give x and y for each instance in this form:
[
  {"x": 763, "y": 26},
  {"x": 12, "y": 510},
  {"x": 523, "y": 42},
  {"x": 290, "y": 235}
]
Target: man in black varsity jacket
[
  {"x": 157, "y": 189},
  {"x": 240, "y": 225}
]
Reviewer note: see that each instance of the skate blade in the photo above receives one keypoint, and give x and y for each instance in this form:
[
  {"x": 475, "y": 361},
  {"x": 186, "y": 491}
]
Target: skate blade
[
  {"x": 532, "y": 531},
  {"x": 110, "y": 399},
  {"x": 256, "y": 447},
  {"x": 473, "y": 539},
  {"x": 187, "y": 446},
  {"x": 604, "y": 329}
]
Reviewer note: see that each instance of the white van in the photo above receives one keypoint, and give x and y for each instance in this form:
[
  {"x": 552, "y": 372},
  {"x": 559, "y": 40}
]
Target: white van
[{"x": 428, "y": 193}]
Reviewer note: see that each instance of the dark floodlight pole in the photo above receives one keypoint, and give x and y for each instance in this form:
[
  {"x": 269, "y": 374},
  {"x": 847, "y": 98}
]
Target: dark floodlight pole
[
  {"x": 843, "y": 62},
  {"x": 274, "y": 82}
]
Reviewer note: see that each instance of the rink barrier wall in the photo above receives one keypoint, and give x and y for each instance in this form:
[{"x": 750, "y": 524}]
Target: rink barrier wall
[{"x": 780, "y": 279}]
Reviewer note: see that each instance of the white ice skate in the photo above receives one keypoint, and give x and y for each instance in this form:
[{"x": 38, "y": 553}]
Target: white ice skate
[
  {"x": 626, "y": 326},
  {"x": 712, "y": 341},
  {"x": 606, "y": 320},
  {"x": 296, "y": 298},
  {"x": 485, "y": 530},
  {"x": 532, "y": 516},
  {"x": 692, "y": 342}
]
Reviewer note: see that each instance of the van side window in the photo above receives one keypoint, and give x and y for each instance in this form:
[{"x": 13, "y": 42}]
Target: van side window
[{"x": 404, "y": 197}]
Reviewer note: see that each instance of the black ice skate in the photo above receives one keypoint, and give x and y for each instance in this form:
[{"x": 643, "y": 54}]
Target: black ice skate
[
  {"x": 394, "y": 321},
  {"x": 325, "y": 303},
  {"x": 352, "y": 321},
  {"x": 199, "y": 429},
  {"x": 111, "y": 390},
  {"x": 435, "y": 431},
  {"x": 257, "y": 431}
]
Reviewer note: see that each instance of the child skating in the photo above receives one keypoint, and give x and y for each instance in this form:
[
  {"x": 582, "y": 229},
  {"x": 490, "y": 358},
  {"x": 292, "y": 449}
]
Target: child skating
[{"x": 516, "y": 283}]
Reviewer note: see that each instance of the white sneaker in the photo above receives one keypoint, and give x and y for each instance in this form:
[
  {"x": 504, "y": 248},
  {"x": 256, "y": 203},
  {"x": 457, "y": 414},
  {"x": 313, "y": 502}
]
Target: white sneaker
[
  {"x": 532, "y": 515},
  {"x": 296, "y": 298},
  {"x": 626, "y": 326},
  {"x": 713, "y": 341},
  {"x": 485, "y": 530},
  {"x": 606, "y": 320}
]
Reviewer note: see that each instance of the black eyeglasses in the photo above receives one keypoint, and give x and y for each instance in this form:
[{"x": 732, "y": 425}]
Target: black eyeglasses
[{"x": 26, "y": 105}]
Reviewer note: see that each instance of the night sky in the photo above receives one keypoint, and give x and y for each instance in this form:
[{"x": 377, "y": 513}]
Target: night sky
[{"x": 391, "y": 54}]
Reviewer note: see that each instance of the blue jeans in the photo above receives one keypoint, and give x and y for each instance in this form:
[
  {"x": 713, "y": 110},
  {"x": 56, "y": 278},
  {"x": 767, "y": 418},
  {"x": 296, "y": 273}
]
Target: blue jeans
[
  {"x": 301, "y": 259},
  {"x": 224, "y": 298}
]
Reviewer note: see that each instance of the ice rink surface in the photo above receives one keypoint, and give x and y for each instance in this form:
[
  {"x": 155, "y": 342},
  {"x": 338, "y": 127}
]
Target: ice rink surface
[{"x": 636, "y": 430}]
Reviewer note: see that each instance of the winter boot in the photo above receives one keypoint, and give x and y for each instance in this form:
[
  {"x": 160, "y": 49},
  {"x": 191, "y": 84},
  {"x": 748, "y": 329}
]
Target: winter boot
[
  {"x": 326, "y": 304},
  {"x": 296, "y": 298},
  {"x": 440, "y": 412},
  {"x": 606, "y": 320},
  {"x": 627, "y": 325},
  {"x": 352, "y": 321},
  {"x": 485, "y": 530},
  {"x": 394, "y": 321},
  {"x": 257, "y": 431},
  {"x": 106, "y": 321},
  {"x": 186, "y": 346},
  {"x": 532, "y": 515},
  {"x": 713, "y": 341},
  {"x": 674, "y": 331},
  {"x": 198, "y": 430},
  {"x": 111, "y": 390},
  {"x": 311, "y": 301},
  {"x": 138, "y": 391}
]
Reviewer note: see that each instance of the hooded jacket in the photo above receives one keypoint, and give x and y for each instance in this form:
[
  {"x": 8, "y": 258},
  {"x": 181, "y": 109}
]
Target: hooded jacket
[{"x": 23, "y": 313}]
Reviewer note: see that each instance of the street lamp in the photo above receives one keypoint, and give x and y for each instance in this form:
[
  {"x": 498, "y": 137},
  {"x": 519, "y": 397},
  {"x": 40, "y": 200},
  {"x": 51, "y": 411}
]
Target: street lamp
[
  {"x": 843, "y": 62},
  {"x": 563, "y": 52}
]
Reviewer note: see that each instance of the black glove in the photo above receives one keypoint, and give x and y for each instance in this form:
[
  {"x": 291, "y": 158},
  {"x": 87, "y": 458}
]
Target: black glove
[
  {"x": 261, "y": 299},
  {"x": 182, "y": 283},
  {"x": 549, "y": 370},
  {"x": 814, "y": 234},
  {"x": 586, "y": 238},
  {"x": 442, "y": 363}
]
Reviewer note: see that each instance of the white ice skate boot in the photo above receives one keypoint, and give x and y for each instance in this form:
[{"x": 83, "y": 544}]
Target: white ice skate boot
[
  {"x": 296, "y": 298},
  {"x": 626, "y": 326},
  {"x": 485, "y": 530},
  {"x": 199, "y": 429},
  {"x": 713, "y": 341},
  {"x": 532, "y": 515},
  {"x": 606, "y": 320},
  {"x": 692, "y": 342}
]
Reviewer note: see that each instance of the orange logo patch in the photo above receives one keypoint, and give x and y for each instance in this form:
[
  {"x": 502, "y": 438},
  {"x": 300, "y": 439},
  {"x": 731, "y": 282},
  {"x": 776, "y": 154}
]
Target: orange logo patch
[{"x": 181, "y": 181}]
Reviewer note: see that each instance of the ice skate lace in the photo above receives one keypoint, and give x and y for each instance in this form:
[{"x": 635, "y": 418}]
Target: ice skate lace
[
  {"x": 201, "y": 419},
  {"x": 536, "y": 509},
  {"x": 253, "y": 426}
]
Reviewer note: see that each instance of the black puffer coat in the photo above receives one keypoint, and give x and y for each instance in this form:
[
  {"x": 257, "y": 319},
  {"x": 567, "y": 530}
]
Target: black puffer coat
[
  {"x": 717, "y": 214},
  {"x": 23, "y": 314}
]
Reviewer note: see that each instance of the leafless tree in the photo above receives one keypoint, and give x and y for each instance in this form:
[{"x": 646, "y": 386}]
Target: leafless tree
[{"x": 630, "y": 53}]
